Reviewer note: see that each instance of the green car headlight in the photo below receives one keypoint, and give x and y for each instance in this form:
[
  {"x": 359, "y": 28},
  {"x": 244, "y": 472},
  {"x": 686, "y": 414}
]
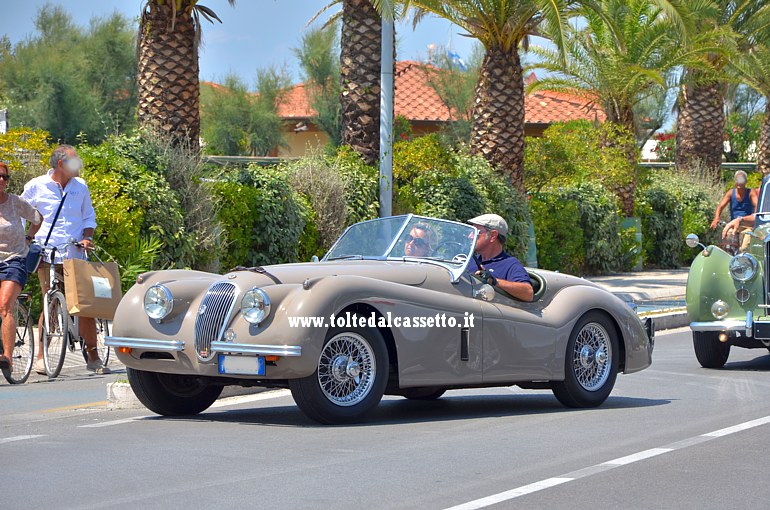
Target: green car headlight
[
  {"x": 743, "y": 267},
  {"x": 158, "y": 302},
  {"x": 255, "y": 305}
]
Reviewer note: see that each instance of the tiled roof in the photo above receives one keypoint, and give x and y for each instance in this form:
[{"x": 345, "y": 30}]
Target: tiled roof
[{"x": 417, "y": 100}]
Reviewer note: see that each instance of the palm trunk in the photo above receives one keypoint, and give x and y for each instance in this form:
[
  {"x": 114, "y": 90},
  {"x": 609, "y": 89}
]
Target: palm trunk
[
  {"x": 623, "y": 116},
  {"x": 361, "y": 43},
  {"x": 700, "y": 128},
  {"x": 168, "y": 81},
  {"x": 497, "y": 132},
  {"x": 763, "y": 157}
]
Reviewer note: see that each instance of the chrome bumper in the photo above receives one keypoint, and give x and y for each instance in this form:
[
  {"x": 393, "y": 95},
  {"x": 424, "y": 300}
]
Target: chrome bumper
[
  {"x": 223, "y": 347},
  {"x": 746, "y": 327}
]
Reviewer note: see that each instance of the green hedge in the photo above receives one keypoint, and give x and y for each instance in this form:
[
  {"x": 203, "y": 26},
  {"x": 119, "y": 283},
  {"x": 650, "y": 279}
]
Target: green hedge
[{"x": 577, "y": 229}]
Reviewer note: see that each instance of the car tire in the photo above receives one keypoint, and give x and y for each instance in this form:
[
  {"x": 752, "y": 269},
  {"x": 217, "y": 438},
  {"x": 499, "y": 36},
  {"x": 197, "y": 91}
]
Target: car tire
[
  {"x": 423, "y": 393},
  {"x": 711, "y": 353},
  {"x": 172, "y": 394},
  {"x": 590, "y": 364},
  {"x": 349, "y": 380}
]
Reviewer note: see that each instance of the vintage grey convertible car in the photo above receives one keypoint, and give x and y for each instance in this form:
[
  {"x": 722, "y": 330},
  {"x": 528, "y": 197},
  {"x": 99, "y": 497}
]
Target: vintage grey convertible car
[{"x": 368, "y": 320}]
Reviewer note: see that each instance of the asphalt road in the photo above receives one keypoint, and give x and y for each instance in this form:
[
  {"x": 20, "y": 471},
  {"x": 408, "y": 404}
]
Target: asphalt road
[{"x": 673, "y": 436}]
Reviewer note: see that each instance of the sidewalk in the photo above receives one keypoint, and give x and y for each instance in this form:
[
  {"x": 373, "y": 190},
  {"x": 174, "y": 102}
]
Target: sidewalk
[{"x": 659, "y": 292}]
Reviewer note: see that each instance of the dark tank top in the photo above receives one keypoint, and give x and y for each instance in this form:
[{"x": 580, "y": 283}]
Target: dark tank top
[{"x": 739, "y": 209}]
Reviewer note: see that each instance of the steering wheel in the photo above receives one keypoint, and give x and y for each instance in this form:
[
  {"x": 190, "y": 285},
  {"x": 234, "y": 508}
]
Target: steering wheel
[{"x": 445, "y": 246}]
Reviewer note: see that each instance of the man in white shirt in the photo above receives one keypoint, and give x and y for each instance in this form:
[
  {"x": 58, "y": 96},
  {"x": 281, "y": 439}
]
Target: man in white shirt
[{"x": 77, "y": 220}]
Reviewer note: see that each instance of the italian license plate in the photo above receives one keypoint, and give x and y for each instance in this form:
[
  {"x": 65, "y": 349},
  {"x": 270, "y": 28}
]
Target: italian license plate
[{"x": 241, "y": 365}]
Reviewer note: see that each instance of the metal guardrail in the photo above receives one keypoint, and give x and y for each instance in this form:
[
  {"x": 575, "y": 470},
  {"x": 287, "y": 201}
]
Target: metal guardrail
[
  {"x": 245, "y": 160},
  {"x": 748, "y": 167}
]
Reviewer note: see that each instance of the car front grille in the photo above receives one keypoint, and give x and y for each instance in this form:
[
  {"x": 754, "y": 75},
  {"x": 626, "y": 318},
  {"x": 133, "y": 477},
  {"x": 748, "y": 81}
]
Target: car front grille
[{"x": 213, "y": 315}]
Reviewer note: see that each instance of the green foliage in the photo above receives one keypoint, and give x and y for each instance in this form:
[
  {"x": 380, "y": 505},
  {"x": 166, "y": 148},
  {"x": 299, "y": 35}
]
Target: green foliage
[
  {"x": 577, "y": 151},
  {"x": 66, "y": 80},
  {"x": 666, "y": 147},
  {"x": 672, "y": 205},
  {"x": 235, "y": 122},
  {"x": 402, "y": 129},
  {"x": 743, "y": 135},
  {"x": 414, "y": 157},
  {"x": 590, "y": 245},
  {"x": 263, "y": 218},
  {"x": 436, "y": 181},
  {"x": 362, "y": 187},
  {"x": 26, "y": 153},
  {"x": 319, "y": 59},
  {"x": 560, "y": 245}
]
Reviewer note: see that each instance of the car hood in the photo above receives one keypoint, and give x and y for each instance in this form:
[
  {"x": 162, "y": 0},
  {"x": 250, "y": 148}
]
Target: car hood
[{"x": 406, "y": 273}]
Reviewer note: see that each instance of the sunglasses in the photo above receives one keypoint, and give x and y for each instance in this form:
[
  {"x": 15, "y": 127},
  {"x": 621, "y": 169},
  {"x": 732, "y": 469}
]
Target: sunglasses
[
  {"x": 418, "y": 241},
  {"x": 5, "y": 177}
]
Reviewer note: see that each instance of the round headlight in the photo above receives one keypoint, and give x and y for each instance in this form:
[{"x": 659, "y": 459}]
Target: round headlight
[
  {"x": 158, "y": 302},
  {"x": 720, "y": 309},
  {"x": 743, "y": 267},
  {"x": 255, "y": 305}
]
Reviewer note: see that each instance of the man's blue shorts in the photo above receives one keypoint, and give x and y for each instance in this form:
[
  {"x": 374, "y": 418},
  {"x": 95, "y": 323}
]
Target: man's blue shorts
[{"x": 14, "y": 269}]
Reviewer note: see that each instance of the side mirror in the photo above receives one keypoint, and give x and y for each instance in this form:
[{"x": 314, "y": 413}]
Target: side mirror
[
  {"x": 692, "y": 240},
  {"x": 486, "y": 292},
  {"x": 314, "y": 258}
]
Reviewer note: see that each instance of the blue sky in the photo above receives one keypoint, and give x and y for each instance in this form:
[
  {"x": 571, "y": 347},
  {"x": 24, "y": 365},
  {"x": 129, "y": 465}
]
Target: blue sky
[{"x": 254, "y": 34}]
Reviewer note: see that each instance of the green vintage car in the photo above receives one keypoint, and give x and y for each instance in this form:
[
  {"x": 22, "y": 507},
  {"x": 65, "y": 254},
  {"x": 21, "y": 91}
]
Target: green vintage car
[{"x": 727, "y": 296}]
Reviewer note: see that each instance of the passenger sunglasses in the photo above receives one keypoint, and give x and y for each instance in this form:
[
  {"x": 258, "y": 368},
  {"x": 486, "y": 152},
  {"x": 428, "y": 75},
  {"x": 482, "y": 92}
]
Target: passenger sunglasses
[
  {"x": 418, "y": 241},
  {"x": 5, "y": 177}
]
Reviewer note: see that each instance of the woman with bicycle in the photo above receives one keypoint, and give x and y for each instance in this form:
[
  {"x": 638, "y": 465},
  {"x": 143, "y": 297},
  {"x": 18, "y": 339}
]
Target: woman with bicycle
[{"x": 13, "y": 252}]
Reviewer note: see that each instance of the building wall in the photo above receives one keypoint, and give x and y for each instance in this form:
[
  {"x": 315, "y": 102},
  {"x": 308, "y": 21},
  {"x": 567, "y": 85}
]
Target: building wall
[{"x": 300, "y": 141}]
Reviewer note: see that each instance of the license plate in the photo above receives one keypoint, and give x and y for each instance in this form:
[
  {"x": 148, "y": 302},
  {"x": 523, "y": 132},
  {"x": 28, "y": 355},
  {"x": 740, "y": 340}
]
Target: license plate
[
  {"x": 762, "y": 330},
  {"x": 241, "y": 365}
]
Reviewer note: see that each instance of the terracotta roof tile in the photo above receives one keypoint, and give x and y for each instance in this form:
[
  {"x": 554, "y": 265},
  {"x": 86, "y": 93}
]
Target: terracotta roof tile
[{"x": 417, "y": 100}]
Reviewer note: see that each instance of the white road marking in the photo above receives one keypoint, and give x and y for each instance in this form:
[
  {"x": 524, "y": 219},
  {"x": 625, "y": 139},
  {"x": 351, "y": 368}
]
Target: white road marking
[
  {"x": 604, "y": 466},
  {"x": 17, "y": 438},
  {"x": 225, "y": 402},
  {"x": 629, "y": 459},
  {"x": 514, "y": 493},
  {"x": 113, "y": 422}
]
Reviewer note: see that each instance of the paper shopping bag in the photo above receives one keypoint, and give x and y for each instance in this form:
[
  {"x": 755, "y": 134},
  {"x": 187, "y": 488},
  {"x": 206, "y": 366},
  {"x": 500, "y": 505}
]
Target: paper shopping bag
[{"x": 92, "y": 288}]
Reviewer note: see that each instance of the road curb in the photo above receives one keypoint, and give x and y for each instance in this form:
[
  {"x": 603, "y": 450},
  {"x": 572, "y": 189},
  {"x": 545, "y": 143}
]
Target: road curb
[
  {"x": 668, "y": 320},
  {"x": 121, "y": 396}
]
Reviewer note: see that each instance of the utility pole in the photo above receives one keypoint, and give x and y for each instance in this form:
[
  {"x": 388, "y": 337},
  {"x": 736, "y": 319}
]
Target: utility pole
[{"x": 386, "y": 115}]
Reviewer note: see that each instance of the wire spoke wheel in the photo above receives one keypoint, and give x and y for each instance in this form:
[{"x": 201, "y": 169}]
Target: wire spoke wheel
[
  {"x": 591, "y": 356},
  {"x": 24, "y": 347},
  {"x": 54, "y": 335},
  {"x": 346, "y": 369}
]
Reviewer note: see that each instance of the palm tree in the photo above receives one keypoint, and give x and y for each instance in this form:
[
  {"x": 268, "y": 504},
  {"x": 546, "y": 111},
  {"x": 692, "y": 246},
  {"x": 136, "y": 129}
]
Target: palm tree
[
  {"x": 624, "y": 53},
  {"x": 167, "y": 78},
  {"x": 701, "y": 120},
  {"x": 754, "y": 69},
  {"x": 497, "y": 129}
]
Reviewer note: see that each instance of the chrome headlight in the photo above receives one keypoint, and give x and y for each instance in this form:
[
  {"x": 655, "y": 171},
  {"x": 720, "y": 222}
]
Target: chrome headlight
[
  {"x": 743, "y": 267},
  {"x": 255, "y": 305},
  {"x": 158, "y": 302}
]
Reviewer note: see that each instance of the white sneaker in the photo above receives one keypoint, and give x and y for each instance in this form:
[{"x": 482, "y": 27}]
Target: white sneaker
[
  {"x": 39, "y": 366},
  {"x": 98, "y": 367}
]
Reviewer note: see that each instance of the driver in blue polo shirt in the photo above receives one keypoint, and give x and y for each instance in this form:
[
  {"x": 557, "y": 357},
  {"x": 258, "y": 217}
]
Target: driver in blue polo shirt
[{"x": 497, "y": 267}]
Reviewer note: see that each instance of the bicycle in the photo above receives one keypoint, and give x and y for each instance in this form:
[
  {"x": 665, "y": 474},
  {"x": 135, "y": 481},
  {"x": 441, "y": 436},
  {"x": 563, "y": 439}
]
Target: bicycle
[
  {"x": 60, "y": 330},
  {"x": 24, "y": 347}
]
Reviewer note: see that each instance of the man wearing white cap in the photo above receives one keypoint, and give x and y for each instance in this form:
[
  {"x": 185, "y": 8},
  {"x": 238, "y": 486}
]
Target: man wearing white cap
[
  {"x": 742, "y": 201},
  {"x": 497, "y": 267}
]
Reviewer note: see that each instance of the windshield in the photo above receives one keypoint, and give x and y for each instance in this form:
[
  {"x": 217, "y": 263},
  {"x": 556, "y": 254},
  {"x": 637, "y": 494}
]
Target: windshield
[{"x": 408, "y": 237}]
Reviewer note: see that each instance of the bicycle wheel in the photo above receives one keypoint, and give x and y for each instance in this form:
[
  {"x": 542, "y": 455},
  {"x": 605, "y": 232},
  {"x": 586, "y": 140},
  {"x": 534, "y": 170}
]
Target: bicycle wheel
[
  {"x": 24, "y": 346},
  {"x": 54, "y": 334},
  {"x": 102, "y": 330}
]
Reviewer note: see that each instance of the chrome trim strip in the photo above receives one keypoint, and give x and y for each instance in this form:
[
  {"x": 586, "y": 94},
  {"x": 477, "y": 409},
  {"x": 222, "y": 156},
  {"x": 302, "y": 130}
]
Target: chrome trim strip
[
  {"x": 728, "y": 325},
  {"x": 261, "y": 350},
  {"x": 218, "y": 304},
  {"x": 144, "y": 343}
]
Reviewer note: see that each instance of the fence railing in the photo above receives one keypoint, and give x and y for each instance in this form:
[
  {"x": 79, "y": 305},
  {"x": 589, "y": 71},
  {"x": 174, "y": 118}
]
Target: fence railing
[{"x": 747, "y": 167}]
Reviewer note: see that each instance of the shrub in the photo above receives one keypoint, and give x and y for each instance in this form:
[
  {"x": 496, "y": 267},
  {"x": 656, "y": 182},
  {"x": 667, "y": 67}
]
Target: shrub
[
  {"x": 26, "y": 151},
  {"x": 414, "y": 157},
  {"x": 591, "y": 245}
]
